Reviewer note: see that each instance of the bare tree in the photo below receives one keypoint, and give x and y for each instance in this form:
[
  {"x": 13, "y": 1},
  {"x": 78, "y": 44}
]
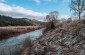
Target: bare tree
[
  {"x": 78, "y": 6},
  {"x": 63, "y": 19},
  {"x": 69, "y": 19},
  {"x": 84, "y": 16},
  {"x": 51, "y": 18}
]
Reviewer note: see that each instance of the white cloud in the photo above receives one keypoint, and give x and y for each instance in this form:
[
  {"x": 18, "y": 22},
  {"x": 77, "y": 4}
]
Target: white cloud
[
  {"x": 51, "y": 0},
  {"x": 37, "y": 1},
  {"x": 64, "y": 16},
  {"x": 17, "y": 11},
  {"x": 64, "y": 1},
  {"x": 2, "y": 0}
]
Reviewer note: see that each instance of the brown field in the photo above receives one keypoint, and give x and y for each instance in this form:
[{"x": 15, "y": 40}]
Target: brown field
[{"x": 9, "y": 31}]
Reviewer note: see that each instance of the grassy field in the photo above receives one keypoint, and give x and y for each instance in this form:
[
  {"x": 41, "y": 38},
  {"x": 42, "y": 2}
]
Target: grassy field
[{"x": 9, "y": 31}]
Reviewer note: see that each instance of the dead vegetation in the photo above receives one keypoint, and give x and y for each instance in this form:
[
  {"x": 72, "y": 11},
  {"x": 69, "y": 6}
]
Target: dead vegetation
[
  {"x": 10, "y": 31},
  {"x": 67, "y": 38}
]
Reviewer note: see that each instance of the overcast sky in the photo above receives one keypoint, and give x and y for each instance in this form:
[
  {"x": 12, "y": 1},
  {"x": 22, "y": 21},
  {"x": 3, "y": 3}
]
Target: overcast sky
[{"x": 35, "y": 8}]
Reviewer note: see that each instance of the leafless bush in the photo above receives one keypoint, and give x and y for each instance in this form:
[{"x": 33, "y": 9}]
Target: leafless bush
[
  {"x": 51, "y": 20},
  {"x": 27, "y": 46},
  {"x": 27, "y": 43},
  {"x": 69, "y": 20}
]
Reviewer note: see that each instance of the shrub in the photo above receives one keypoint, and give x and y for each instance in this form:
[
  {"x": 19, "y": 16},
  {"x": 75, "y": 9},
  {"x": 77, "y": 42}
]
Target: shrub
[{"x": 51, "y": 20}]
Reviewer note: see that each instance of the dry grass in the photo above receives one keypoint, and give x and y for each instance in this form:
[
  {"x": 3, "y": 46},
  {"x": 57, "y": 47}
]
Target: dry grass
[
  {"x": 6, "y": 32},
  {"x": 28, "y": 43},
  {"x": 45, "y": 43}
]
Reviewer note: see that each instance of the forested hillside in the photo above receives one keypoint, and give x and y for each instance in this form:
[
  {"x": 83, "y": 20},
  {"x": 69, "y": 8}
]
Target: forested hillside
[{"x": 9, "y": 21}]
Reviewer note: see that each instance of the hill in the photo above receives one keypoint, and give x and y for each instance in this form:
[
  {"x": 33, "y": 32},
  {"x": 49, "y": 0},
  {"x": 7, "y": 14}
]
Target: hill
[
  {"x": 9, "y": 21},
  {"x": 68, "y": 38}
]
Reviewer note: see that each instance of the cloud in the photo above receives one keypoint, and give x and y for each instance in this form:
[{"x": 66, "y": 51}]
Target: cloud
[
  {"x": 64, "y": 16},
  {"x": 2, "y": 0},
  {"x": 37, "y": 1},
  {"x": 19, "y": 12},
  {"x": 51, "y": 0},
  {"x": 65, "y": 1}
]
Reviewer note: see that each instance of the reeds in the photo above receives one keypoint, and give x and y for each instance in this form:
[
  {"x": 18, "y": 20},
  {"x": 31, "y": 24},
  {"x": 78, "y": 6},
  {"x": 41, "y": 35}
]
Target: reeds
[{"x": 6, "y": 32}]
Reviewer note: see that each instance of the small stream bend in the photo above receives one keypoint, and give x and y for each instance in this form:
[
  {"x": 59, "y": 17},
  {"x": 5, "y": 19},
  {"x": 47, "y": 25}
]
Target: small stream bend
[{"x": 14, "y": 44}]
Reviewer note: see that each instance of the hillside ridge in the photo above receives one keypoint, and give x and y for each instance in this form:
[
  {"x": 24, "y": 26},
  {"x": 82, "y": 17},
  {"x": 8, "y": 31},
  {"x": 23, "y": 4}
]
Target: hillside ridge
[{"x": 65, "y": 39}]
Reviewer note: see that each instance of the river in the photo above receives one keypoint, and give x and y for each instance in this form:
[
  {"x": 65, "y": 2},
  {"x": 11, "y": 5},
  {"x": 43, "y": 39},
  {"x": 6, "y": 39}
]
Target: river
[{"x": 13, "y": 45}]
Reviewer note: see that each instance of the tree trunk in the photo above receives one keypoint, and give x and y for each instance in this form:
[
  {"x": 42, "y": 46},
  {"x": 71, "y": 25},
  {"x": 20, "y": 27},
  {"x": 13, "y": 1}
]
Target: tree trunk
[{"x": 79, "y": 16}]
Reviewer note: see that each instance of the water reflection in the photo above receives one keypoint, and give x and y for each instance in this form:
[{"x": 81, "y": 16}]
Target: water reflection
[{"x": 14, "y": 43}]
